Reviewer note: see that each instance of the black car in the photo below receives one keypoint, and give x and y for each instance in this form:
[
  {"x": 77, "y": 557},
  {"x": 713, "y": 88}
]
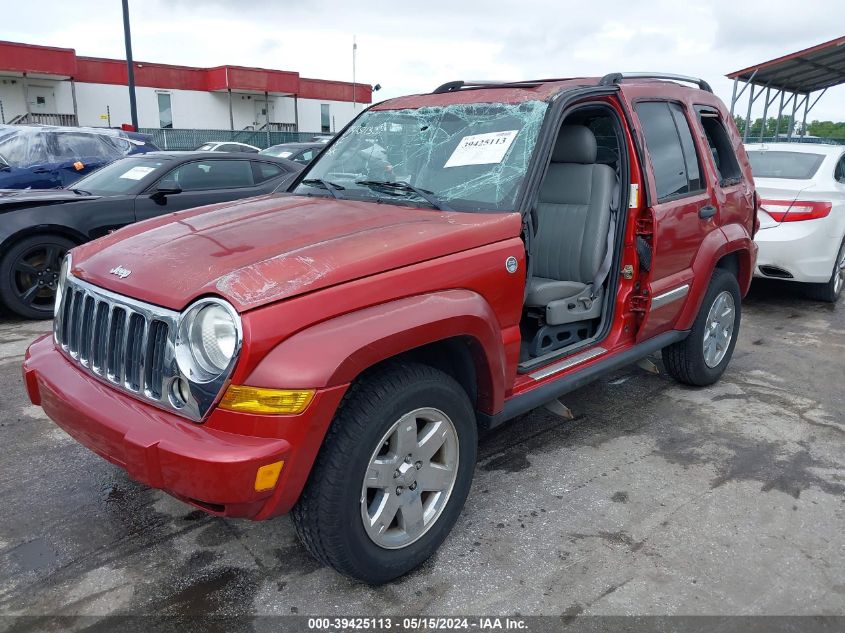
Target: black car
[
  {"x": 302, "y": 153},
  {"x": 38, "y": 227}
]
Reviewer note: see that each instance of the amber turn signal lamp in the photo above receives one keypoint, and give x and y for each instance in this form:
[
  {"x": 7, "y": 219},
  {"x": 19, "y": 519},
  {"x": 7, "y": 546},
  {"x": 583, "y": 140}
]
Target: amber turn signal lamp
[
  {"x": 267, "y": 476},
  {"x": 260, "y": 400}
]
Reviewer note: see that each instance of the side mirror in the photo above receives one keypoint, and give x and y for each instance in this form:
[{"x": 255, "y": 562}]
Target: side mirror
[{"x": 168, "y": 187}]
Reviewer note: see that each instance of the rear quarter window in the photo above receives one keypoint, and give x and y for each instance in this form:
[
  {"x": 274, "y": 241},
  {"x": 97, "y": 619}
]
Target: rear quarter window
[
  {"x": 788, "y": 165},
  {"x": 721, "y": 149}
]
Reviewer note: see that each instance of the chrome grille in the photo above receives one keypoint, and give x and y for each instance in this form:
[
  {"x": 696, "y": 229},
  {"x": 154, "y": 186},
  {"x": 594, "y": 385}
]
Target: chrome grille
[{"x": 127, "y": 343}]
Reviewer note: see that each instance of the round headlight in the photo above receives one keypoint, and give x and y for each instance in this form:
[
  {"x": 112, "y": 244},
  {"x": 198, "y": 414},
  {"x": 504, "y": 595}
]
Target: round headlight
[
  {"x": 208, "y": 340},
  {"x": 213, "y": 336},
  {"x": 60, "y": 284}
]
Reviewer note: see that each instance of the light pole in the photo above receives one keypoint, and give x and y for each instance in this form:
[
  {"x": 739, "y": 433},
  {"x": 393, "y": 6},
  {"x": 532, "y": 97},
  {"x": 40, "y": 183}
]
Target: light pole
[
  {"x": 130, "y": 70},
  {"x": 354, "y": 51}
]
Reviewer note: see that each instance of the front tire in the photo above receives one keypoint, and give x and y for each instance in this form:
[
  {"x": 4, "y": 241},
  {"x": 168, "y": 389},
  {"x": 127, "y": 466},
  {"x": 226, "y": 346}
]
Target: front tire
[
  {"x": 702, "y": 357},
  {"x": 392, "y": 476},
  {"x": 29, "y": 273},
  {"x": 829, "y": 292}
]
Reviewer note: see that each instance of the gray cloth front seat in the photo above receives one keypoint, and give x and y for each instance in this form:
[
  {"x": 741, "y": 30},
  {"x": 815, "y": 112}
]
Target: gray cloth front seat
[{"x": 573, "y": 219}]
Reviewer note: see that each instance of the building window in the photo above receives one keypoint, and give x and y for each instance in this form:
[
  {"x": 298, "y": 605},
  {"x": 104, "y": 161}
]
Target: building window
[
  {"x": 165, "y": 114},
  {"x": 325, "y": 118}
]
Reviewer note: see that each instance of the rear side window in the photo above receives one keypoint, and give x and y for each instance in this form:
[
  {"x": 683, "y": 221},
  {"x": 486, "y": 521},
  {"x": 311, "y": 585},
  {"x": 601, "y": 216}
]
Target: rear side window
[
  {"x": 839, "y": 172},
  {"x": 305, "y": 157},
  {"x": 213, "y": 174},
  {"x": 688, "y": 146},
  {"x": 69, "y": 146},
  {"x": 266, "y": 171},
  {"x": 789, "y": 165},
  {"x": 727, "y": 166},
  {"x": 670, "y": 147}
]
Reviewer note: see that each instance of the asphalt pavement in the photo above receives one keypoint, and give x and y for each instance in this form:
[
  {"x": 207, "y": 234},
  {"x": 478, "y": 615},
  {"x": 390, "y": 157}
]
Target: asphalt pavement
[{"x": 658, "y": 499}]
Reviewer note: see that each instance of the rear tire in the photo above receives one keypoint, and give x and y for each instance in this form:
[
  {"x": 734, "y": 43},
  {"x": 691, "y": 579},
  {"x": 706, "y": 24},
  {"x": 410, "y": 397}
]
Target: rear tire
[
  {"x": 831, "y": 291},
  {"x": 29, "y": 273},
  {"x": 345, "y": 517},
  {"x": 702, "y": 357}
]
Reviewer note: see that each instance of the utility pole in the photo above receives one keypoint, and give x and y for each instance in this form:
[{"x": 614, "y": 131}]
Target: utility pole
[
  {"x": 354, "y": 52},
  {"x": 130, "y": 69}
]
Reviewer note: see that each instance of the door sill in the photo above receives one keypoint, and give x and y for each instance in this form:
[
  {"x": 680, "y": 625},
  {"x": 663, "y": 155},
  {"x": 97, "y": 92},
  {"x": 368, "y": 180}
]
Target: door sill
[{"x": 571, "y": 380}]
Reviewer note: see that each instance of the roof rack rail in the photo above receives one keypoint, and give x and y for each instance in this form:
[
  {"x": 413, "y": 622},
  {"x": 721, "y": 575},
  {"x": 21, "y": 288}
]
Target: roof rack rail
[
  {"x": 615, "y": 78},
  {"x": 454, "y": 86}
]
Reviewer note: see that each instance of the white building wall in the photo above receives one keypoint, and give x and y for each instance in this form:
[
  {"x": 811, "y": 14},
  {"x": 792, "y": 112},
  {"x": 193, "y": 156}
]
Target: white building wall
[
  {"x": 340, "y": 113},
  {"x": 11, "y": 95},
  {"x": 58, "y": 96},
  {"x": 189, "y": 108}
]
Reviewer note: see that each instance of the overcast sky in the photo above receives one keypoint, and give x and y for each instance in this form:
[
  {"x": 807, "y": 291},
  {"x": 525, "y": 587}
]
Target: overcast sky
[{"x": 414, "y": 46}]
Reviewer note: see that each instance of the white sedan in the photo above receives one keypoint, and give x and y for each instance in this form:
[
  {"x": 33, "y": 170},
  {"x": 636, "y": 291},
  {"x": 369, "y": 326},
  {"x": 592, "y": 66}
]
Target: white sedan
[
  {"x": 227, "y": 146},
  {"x": 801, "y": 188}
]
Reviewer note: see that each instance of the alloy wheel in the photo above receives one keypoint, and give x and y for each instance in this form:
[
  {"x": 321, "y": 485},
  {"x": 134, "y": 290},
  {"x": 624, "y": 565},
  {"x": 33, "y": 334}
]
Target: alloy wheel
[
  {"x": 35, "y": 275},
  {"x": 409, "y": 478},
  {"x": 718, "y": 330},
  {"x": 839, "y": 271}
]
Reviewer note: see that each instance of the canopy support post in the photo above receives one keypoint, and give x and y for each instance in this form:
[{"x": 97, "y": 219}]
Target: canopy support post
[
  {"x": 804, "y": 121},
  {"x": 733, "y": 97}
]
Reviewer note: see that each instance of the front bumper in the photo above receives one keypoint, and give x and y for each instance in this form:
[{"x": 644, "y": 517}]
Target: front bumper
[
  {"x": 208, "y": 467},
  {"x": 805, "y": 250}
]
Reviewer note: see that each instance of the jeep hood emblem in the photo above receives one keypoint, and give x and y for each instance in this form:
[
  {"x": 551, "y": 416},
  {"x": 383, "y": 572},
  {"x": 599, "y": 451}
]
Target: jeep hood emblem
[{"x": 121, "y": 272}]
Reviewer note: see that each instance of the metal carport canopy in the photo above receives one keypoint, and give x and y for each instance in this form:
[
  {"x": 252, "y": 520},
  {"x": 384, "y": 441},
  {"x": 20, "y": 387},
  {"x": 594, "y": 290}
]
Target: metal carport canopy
[
  {"x": 799, "y": 74},
  {"x": 812, "y": 69}
]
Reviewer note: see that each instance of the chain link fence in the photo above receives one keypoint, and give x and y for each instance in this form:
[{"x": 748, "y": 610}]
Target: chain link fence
[{"x": 187, "y": 139}]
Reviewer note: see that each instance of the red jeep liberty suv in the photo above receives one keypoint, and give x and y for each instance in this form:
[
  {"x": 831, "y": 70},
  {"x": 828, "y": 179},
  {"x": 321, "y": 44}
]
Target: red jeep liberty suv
[{"x": 450, "y": 261}]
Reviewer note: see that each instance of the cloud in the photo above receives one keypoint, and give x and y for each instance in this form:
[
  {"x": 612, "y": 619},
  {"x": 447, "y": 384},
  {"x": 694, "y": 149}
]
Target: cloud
[{"x": 415, "y": 46}]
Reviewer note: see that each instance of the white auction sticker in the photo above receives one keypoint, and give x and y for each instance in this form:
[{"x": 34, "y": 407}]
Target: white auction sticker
[
  {"x": 482, "y": 149},
  {"x": 136, "y": 173}
]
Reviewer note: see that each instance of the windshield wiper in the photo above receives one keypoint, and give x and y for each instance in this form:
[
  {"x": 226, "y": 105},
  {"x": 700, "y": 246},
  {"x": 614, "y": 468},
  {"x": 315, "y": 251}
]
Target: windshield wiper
[
  {"x": 331, "y": 187},
  {"x": 401, "y": 185},
  {"x": 81, "y": 192}
]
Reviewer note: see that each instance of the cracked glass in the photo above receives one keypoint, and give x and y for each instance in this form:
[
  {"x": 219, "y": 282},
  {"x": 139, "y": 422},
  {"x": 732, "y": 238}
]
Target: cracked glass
[{"x": 462, "y": 157}]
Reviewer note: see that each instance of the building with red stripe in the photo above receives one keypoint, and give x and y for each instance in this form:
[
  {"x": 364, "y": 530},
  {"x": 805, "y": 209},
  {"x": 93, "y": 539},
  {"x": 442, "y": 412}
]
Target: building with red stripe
[{"x": 43, "y": 84}]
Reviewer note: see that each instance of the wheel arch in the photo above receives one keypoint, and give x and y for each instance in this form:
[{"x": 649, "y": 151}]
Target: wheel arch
[
  {"x": 453, "y": 330},
  {"x": 736, "y": 252},
  {"x": 42, "y": 229}
]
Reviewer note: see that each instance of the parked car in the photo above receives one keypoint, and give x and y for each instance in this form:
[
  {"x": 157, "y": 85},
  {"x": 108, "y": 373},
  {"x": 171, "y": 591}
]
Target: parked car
[
  {"x": 46, "y": 157},
  {"x": 302, "y": 153},
  {"x": 333, "y": 350},
  {"x": 802, "y": 215},
  {"x": 37, "y": 228},
  {"x": 322, "y": 138},
  {"x": 227, "y": 147}
]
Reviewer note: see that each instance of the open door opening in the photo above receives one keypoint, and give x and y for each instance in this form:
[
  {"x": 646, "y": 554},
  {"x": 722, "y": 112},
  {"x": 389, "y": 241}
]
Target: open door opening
[{"x": 576, "y": 221}]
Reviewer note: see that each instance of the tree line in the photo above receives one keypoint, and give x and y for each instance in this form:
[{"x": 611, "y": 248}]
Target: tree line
[{"x": 824, "y": 129}]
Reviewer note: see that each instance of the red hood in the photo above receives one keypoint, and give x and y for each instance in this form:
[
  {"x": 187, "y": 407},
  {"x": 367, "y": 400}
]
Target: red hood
[{"x": 261, "y": 250}]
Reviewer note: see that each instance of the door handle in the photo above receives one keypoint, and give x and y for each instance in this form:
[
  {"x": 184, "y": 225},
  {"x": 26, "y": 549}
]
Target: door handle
[
  {"x": 41, "y": 170},
  {"x": 707, "y": 212}
]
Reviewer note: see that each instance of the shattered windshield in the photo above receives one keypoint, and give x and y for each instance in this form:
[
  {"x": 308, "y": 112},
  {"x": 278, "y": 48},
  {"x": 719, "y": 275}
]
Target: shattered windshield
[{"x": 462, "y": 157}]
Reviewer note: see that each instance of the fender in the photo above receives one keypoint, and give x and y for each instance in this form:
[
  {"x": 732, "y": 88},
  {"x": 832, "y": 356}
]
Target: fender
[
  {"x": 12, "y": 233},
  {"x": 336, "y": 351},
  {"x": 746, "y": 248},
  {"x": 732, "y": 238}
]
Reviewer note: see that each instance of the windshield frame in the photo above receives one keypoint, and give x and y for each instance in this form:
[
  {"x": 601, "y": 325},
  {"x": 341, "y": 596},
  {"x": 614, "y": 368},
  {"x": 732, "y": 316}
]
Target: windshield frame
[{"x": 558, "y": 104}]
